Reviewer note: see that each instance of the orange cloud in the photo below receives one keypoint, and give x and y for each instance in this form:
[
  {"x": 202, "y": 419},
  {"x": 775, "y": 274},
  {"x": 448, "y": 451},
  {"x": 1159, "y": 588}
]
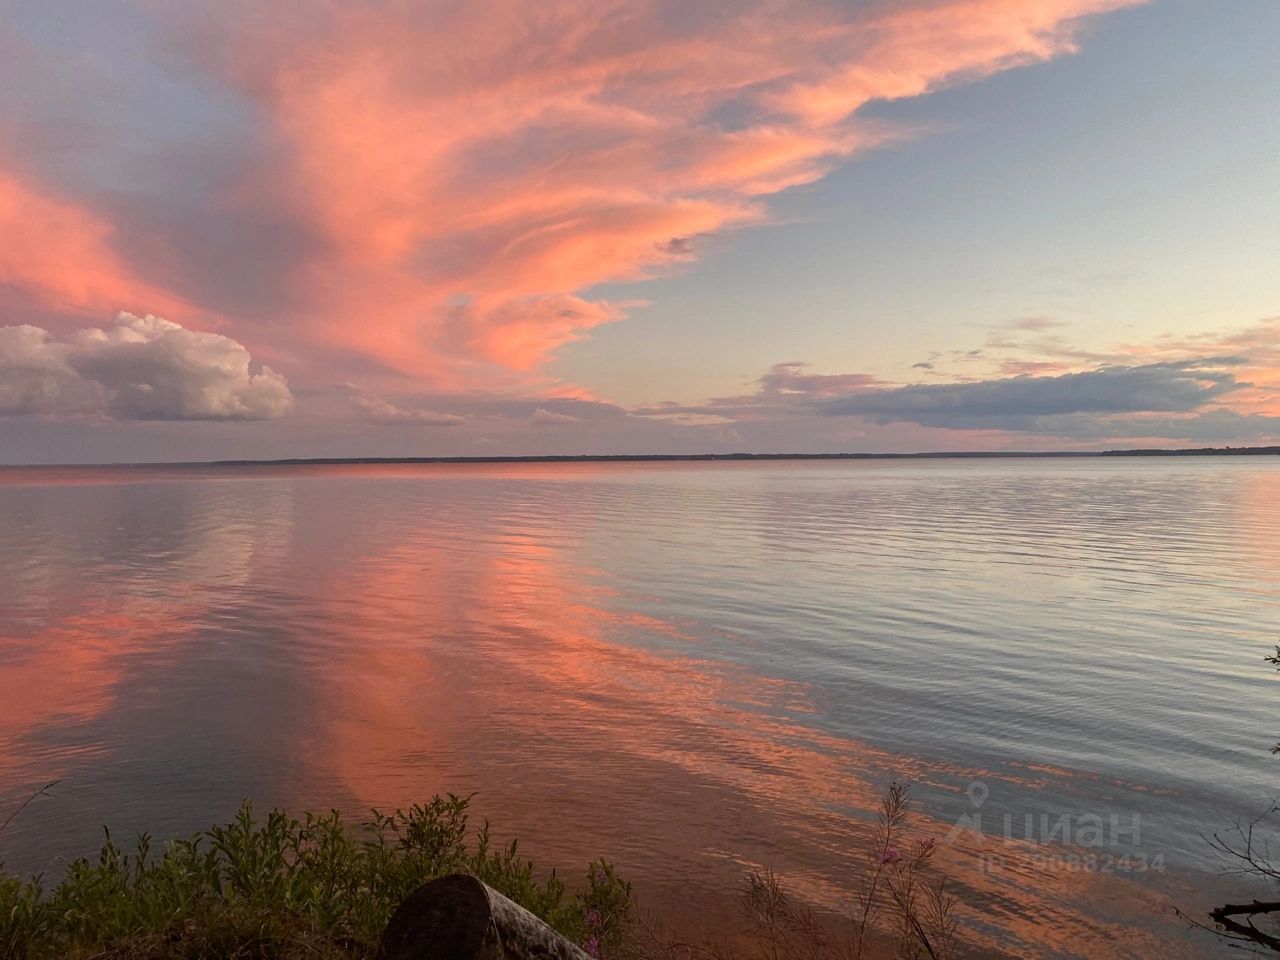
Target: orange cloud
[
  {"x": 1257, "y": 347},
  {"x": 58, "y": 255},
  {"x": 473, "y": 171}
]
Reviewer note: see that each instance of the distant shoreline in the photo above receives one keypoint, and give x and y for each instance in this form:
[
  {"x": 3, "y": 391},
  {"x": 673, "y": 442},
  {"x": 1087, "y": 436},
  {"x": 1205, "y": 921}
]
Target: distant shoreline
[
  {"x": 1197, "y": 452},
  {"x": 682, "y": 458}
]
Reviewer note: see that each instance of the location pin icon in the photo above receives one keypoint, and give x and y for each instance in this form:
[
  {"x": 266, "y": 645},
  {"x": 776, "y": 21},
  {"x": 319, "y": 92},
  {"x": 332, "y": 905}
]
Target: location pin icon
[{"x": 978, "y": 793}]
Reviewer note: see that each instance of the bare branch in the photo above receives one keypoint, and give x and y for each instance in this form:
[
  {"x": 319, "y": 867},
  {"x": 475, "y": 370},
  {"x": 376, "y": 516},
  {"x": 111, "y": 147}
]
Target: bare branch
[
  {"x": 42, "y": 792},
  {"x": 1225, "y": 915}
]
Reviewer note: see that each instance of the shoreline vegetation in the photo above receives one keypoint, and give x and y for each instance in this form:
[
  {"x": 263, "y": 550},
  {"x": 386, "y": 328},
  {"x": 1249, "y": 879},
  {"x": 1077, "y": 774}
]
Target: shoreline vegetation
[
  {"x": 688, "y": 458},
  {"x": 286, "y": 888}
]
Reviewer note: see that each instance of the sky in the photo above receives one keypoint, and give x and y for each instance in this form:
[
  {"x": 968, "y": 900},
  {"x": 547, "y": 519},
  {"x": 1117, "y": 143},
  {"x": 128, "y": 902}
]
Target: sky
[{"x": 315, "y": 228}]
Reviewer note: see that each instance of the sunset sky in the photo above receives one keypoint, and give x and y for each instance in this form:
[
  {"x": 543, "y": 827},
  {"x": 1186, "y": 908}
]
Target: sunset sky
[{"x": 437, "y": 227}]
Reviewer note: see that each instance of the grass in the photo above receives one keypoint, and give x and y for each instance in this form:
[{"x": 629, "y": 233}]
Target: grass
[
  {"x": 283, "y": 888},
  {"x": 286, "y": 888}
]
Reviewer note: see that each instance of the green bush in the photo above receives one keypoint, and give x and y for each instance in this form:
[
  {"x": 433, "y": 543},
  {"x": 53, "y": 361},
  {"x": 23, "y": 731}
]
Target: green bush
[{"x": 284, "y": 888}]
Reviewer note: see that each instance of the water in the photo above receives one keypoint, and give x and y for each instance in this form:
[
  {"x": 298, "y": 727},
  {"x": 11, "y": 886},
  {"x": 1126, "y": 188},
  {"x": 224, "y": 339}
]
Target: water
[{"x": 688, "y": 668}]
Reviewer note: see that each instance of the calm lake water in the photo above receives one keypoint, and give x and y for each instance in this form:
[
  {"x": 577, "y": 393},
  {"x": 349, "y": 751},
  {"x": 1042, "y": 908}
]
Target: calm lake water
[{"x": 690, "y": 669}]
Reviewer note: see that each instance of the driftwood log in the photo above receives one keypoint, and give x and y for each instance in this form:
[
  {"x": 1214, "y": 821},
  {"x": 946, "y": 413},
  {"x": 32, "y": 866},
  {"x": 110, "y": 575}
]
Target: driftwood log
[{"x": 460, "y": 918}]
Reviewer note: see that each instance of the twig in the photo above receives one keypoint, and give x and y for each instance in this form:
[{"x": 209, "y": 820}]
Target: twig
[
  {"x": 907, "y": 911},
  {"x": 42, "y": 792}
]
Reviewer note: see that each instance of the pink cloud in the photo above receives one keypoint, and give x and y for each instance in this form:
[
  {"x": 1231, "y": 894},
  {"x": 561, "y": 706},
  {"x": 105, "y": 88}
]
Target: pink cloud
[
  {"x": 1257, "y": 347},
  {"x": 466, "y": 174},
  {"x": 59, "y": 255}
]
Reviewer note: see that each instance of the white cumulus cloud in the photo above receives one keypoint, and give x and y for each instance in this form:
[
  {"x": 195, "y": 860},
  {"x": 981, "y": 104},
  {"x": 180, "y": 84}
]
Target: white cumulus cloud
[{"x": 141, "y": 368}]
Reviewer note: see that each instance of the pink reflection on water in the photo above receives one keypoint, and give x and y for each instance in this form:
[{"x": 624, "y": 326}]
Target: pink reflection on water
[
  {"x": 70, "y": 674},
  {"x": 686, "y": 770},
  {"x": 490, "y": 657}
]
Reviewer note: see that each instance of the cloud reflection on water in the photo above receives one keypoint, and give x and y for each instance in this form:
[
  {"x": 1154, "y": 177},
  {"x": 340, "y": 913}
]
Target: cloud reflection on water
[{"x": 327, "y": 638}]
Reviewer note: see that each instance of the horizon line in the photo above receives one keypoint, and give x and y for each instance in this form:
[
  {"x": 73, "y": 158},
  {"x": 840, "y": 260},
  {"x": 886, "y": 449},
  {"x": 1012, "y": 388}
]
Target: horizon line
[{"x": 677, "y": 457}]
